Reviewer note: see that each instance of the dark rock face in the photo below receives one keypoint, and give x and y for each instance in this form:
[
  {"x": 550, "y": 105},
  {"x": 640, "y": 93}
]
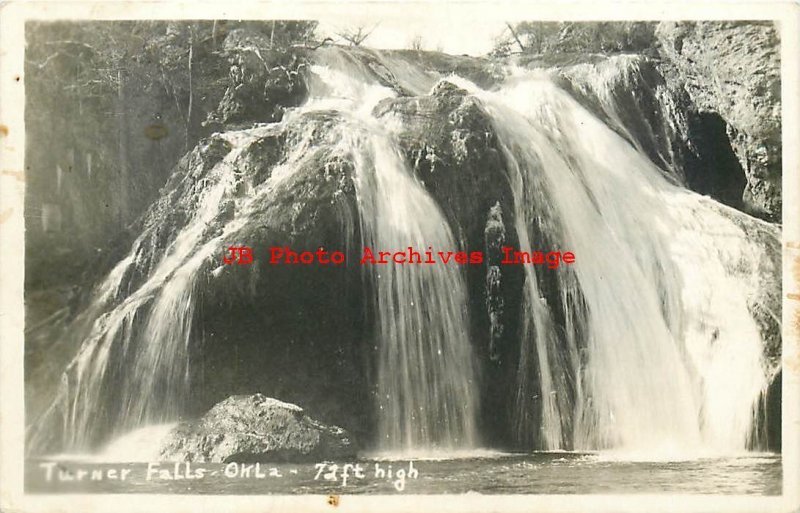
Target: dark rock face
[
  {"x": 256, "y": 428},
  {"x": 451, "y": 145},
  {"x": 264, "y": 81},
  {"x": 704, "y": 105},
  {"x": 495, "y": 236},
  {"x": 733, "y": 69},
  {"x": 767, "y": 432},
  {"x": 261, "y": 320},
  {"x": 631, "y": 96}
]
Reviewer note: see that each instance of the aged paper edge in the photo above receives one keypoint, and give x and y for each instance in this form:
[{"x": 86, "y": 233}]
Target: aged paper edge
[{"x": 13, "y": 16}]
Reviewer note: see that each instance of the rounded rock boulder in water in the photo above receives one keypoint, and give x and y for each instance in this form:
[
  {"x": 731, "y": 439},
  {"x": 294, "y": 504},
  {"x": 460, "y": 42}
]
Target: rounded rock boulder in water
[{"x": 250, "y": 428}]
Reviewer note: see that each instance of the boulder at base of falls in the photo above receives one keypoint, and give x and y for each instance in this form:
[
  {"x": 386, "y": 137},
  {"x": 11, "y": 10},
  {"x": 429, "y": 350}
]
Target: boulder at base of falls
[{"x": 251, "y": 428}]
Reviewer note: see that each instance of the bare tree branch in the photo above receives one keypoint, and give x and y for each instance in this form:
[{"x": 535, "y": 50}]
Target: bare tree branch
[
  {"x": 356, "y": 36},
  {"x": 514, "y": 35}
]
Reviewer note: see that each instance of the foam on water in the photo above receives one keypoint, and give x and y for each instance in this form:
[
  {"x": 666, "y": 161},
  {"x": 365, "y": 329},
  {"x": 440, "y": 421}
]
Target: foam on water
[
  {"x": 139, "y": 445},
  {"x": 436, "y": 455}
]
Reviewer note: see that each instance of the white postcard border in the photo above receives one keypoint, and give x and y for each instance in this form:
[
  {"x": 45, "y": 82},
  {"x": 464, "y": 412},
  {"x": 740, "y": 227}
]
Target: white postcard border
[{"x": 12, "y": 187}]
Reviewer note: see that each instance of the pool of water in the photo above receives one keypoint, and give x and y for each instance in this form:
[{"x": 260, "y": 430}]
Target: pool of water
[{"x": 538, "y": 473}]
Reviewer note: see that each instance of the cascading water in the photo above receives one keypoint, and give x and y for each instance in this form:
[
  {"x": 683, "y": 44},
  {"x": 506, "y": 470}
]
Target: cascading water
[
  {"x": 646, "y": 343},
  {"x": 426, "y": 377},
  {"x": 426, "y": 383},
  {"x": 150, "y": 328},
  {"x": 659, "y": 350}
]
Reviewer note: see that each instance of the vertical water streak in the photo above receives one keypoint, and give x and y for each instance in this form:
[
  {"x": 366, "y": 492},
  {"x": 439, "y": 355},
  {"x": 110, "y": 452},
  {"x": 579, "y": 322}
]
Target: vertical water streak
[
  {"x": 426, "y": 384},
  {"x": 426, "y": 377},
  {"x": 653, "y": 305}
]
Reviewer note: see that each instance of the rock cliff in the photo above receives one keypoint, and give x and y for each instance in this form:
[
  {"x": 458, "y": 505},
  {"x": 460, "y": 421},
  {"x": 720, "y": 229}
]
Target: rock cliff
[{"x": 733, "y": 69}]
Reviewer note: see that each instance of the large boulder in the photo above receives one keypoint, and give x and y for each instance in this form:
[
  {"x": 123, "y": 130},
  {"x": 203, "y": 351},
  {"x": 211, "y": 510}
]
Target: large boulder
[{"x": 250, "y": 428}]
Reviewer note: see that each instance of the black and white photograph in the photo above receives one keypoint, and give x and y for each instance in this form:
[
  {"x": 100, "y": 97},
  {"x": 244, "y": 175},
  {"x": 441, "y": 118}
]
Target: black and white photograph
[{"x": 431, "y": 254}]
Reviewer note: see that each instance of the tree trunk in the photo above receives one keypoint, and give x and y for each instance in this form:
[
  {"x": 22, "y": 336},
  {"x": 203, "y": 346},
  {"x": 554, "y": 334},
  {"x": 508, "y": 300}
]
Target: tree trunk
[
  {"x": 122, "y": 187},
  {"x": 191, "y": 92},
  {"x": 514, "y": 35}
]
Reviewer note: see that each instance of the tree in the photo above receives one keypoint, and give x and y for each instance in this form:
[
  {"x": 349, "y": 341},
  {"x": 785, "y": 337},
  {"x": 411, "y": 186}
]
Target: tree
[
  {"x": 416, "y": 43},
  {"x": 116, "y": 103},
  {"x": 515, "y": 36},
  {"x": 541, "y": 37},
  {"x": 356, "y": 36}
]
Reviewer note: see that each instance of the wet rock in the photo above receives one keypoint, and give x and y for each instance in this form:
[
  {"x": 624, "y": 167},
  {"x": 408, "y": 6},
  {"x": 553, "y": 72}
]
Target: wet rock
[
  {"x": 213, "y": 149},
  {"x": 704, "y": 105},
  {"x": 250, "y": 428},
  {"x": 484, "y": 72},
  {"x": 452, "y": 147},
  {"x": 657, "y": 115},
  {"x": 412, "y": 73},
  {"x": 495, "y": 236},
  {"x": 765, "y": 303}
]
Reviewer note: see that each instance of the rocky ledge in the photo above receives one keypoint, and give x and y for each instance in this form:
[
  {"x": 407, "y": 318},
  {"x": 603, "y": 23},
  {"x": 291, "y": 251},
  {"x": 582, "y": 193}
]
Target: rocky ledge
[
  {"x": 255, "y": 428},
  {"x": 733, "y": 68}
]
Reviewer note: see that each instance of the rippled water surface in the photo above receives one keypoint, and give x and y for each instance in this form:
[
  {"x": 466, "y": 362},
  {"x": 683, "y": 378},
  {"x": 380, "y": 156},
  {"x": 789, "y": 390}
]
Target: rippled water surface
[{"x": 540, "y": 473}]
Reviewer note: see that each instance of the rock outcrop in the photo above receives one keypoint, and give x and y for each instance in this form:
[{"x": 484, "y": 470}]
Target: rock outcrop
[
  {"x": 733, "y": 69},
  {"x": 702, "y": 101},
  {"x": 654, "y": 111},
  {"x": 263, "y": 80},
  {"x": 450, "y": 142},
  {"x": 255, "y": 428},
  {"x": 632, "y": 97}
]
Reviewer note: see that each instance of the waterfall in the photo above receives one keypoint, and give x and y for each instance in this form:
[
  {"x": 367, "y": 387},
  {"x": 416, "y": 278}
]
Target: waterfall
[
  {"x": 426, "y": 388},
  {"x": 426, "y": 380},
  {"x": 140, "y": 325},
  {"x": 138, "y": 331},
  {"x": 658, "y": 349},
  {"x": 647, "y": 343}
]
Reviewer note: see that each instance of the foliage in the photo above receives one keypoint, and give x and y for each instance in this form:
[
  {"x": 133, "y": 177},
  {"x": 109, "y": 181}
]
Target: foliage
[
  {"x": 90, "y": 59},
  {"x": 542, "y": 37},
  {"x": 115, "y": 104}
]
